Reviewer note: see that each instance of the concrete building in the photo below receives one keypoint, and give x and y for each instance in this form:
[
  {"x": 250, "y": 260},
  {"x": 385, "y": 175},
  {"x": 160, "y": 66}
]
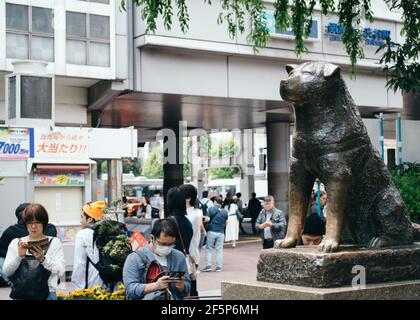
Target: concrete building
[
  {"x": 110, "y": 74},
  {"x": 211, "y": 81}
]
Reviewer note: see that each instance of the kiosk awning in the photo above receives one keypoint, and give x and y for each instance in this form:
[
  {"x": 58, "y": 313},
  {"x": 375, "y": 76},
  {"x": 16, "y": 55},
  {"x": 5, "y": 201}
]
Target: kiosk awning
[{"x": 59, "y": 165}]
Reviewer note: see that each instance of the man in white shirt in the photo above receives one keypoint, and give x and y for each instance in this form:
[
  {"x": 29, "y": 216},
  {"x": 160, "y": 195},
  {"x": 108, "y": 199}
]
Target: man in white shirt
[
  {"x": 205, "y": 201},
  {"x": 196, "y": 218},
  {"x": 84, "y": 249}
]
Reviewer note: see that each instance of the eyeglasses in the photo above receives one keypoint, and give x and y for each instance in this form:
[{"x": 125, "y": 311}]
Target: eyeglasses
[
  {"x": 165, "y": 244},
  {"x": 34, "y": 223}
]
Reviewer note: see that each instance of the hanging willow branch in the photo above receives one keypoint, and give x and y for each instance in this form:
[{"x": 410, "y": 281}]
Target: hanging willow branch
[{"x": 400, "y": 61}]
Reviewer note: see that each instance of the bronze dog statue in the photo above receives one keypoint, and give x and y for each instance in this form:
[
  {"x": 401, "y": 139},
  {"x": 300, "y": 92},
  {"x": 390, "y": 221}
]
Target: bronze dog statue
[{"x": 331, "y": 143}]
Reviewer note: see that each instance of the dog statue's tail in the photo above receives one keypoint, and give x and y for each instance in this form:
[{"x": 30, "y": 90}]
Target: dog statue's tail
[{"x": 416, "y": 231}]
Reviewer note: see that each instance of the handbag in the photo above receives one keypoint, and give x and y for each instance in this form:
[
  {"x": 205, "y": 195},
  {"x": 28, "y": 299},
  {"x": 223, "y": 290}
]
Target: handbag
[
  {"x": 192, "y": 269},
  {"x": 30, "y": 280}
]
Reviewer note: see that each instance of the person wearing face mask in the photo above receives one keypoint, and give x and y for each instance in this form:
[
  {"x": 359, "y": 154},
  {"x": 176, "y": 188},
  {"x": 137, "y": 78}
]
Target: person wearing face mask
[{"x": 160, "y": 253}]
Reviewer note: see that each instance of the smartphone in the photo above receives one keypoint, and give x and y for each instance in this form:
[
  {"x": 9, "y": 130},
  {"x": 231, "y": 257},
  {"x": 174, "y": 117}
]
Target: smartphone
[{"x": 174, "y": 275}]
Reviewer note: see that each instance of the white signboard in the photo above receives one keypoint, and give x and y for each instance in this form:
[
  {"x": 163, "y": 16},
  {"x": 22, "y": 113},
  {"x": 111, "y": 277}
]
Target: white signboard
[
  {"x": 112, "y": 143},
  {"x": 61, "y": 143}
]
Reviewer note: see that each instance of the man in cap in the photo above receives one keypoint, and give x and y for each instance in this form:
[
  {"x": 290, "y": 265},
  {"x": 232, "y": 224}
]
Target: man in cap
[
  {"x": 84, "y": 248},
  {"x": 271, "y": 223},
  {"x": 18, "y": 230}
]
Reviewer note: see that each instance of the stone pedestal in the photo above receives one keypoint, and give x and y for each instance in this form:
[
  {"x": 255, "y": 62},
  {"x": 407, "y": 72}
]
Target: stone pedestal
[
  {"x": 352, "y": 273},
  {"x": 258, "y": 290},
  {"x": 306, "y": 266}
]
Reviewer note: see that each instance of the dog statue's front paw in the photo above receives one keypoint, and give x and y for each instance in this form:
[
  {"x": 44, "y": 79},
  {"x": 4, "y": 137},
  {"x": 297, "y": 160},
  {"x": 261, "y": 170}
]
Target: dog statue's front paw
[
  {"x": 328, "y": 246},
  {"x": 380, "y": 242},
  {"x": 288, "y": 242}
]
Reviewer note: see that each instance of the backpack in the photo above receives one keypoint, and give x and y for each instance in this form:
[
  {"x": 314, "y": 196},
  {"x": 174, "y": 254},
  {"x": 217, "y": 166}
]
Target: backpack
[
  {"x": 113, "y": 243},
  {"x": 204, "y": 207},
  {"x": 30, "y": 280}
]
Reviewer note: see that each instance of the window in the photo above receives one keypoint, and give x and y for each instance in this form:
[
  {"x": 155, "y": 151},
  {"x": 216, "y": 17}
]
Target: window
[
  {"x": 12, "y": 98},
  {"x": 29, "y": 32},
  {"x": 34, "y": 105},
  {"x": 88, "y": 39},
  {"x": 98, "y": 1}
]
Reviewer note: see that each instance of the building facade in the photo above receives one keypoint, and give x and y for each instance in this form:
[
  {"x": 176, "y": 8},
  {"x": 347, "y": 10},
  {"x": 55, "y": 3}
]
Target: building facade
[{"x": 108, "y": 73}]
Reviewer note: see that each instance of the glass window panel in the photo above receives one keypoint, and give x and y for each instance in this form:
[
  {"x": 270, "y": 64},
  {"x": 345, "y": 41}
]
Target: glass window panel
[
  {"x": 17, "y": 46},
  {"x": 35, "y": 105},
  {"x": 42, "y": 20},
  {"x": 42, "y": 48},
  {"x": 100, "y": 1},
  {"x": 99, "y": 27},
  {"x": 76, "y": 52},
  {"x": 16, "y": 16},
  {"x": 12, "y": 97},
  {"x": 99, "y": 54},
  {"x": 76, "y": 24}
]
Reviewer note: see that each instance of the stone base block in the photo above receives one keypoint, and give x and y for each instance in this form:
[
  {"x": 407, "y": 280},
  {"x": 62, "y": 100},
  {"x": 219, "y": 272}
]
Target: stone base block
[
  {"x": 306, "y": 266},
  {"x": 258, "y": 290}
]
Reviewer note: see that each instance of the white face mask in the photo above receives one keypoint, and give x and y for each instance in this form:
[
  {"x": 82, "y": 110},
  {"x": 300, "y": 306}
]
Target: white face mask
[{"x": 163, "y": 251}]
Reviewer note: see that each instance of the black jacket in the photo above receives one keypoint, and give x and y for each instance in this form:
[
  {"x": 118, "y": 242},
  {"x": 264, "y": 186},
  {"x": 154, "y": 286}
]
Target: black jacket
[
  {"x": 186, "y": 231},
  {"x": 254, "y": 207},
  {"x": 18, "y": 231}
]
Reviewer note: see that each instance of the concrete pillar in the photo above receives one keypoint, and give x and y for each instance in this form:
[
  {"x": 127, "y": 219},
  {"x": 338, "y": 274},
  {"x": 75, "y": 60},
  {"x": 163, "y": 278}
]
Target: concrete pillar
[
  {"x": 173, "y": 168},
  {"x": 247, "y": 164},
  {"x": 278, "y": 155},
  {"x": 114, "y": 180}
]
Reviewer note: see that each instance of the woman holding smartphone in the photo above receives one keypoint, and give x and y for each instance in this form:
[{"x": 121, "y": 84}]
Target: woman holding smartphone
[{"x": 34, "y": 263}]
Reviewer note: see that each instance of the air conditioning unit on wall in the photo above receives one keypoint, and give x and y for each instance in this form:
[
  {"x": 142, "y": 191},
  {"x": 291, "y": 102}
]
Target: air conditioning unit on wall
[{"x": 30, "y": 95}]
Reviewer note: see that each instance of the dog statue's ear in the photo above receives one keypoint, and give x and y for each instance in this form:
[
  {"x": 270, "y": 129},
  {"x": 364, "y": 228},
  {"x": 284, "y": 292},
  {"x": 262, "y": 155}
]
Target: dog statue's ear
[
  {"x": 290, "y": 67},
  {"x": 331, "y": 70}
]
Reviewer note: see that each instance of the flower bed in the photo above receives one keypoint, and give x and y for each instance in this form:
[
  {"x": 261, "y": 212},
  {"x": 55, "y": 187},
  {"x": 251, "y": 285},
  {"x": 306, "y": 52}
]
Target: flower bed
[{"x": 95, "y": 293}]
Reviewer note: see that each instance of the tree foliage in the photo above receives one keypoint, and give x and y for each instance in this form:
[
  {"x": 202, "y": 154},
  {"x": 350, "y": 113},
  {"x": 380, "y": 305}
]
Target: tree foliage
[
  {"x": 224, "y": 148},
  {"x": 407, "y": 180},
  {"x": 153, "y": 166},
  {"x": 399, "y": 61}
]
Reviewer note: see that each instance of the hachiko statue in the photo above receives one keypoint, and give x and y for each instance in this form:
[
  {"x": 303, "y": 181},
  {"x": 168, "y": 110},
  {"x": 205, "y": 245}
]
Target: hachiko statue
[{"x": 331, "y": 143}]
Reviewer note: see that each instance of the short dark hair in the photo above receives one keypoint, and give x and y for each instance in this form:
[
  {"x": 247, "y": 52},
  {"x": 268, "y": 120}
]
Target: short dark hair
[
  {"x": 19, "y": 210},
  {"x": 35, "y": 212},
  {"x": 165, "y": 226},
  {"x": 156, "y": 192},
  {"x": 205, "y": 194},
  {"x": 190, "y": 193},
  {"x": 253, "y": 194},
  {"x": 175, "y": 200},
  {"x": 218, "y": 200},
  {"x": 238, "y": 194}
]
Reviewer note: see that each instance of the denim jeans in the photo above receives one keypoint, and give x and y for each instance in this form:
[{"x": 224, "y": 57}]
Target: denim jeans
[
  {"x": 215, "y": 241},
  {"x": 6, "y": 279}
]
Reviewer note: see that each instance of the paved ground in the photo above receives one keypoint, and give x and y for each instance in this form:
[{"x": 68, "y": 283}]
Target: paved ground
[{"x": 238, "y": 263}]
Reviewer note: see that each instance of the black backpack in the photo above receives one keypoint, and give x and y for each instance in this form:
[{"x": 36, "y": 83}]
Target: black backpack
[
  {"x": 113, "y": 243},
  {"x": 30, "y": 280},
  {"x": 204, "y": 207}
]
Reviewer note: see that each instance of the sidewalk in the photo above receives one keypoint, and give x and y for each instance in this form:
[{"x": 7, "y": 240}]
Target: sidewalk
[{"x": 238, "y": 263}]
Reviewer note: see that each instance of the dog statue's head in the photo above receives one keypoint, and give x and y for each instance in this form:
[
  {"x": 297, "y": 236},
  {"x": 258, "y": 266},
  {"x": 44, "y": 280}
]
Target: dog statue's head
[{"x": 309, "y": 82}]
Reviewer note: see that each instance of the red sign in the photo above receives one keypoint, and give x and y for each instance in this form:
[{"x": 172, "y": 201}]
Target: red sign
[{"x": 137, "y": 241}]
